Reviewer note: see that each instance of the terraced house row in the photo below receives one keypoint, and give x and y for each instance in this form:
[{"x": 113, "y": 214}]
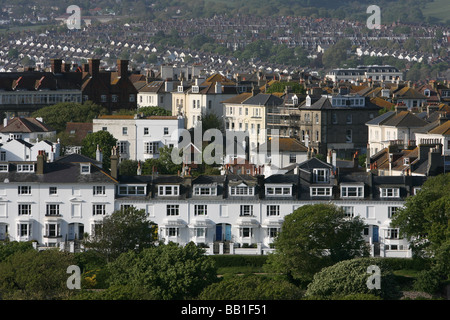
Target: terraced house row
[{"x": 57, "y": 203}]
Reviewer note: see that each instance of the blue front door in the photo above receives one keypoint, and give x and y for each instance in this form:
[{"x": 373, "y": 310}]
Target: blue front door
[
  {"x": 375, "y": 233},
  {"x": 227, "y": 232},
  {"x": 219, "y": 232}
]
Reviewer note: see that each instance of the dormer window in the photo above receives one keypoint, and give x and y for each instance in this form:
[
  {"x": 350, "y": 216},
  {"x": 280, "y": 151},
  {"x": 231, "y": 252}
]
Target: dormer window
[
  {"x": 25, "y": 168},
  {"x": 85, "y": 168},
  {"x": 195, "y": 89},
  {"x": 180, "y": 89},
  {"x": 390, "y": 192},
  {"x": 168, "y": 190},
  {"x": 3, "y": 167},
  {"x": 321, "y": 175},
  {"x": 241, "y": 190},
  {"x": 272, "y": 190},
  {"x": 205, "y": 191},
  {"x": 352, "y": 191}
]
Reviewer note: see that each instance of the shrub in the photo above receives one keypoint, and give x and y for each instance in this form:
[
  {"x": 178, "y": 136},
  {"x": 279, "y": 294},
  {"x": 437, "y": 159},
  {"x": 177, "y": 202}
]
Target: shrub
[
  {"x": 350, "y": 277},
  {"x": 428, "y": 281},
  {"x": 251, "y": 287}
]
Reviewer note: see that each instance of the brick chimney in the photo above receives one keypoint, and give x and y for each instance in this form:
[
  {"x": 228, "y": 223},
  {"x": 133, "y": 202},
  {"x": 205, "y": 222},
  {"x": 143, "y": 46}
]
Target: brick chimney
[
  {"x": 94, "y": 67},
  {"x": 114, "y": 163},
  {"x": 56, "y": 65},
  {"x": 122, "y": 68},
  {"x": 40, "y": 162}
]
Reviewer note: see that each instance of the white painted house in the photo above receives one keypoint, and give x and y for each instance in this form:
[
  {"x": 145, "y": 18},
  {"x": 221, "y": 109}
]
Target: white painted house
[{"x": 140, "y": 138}]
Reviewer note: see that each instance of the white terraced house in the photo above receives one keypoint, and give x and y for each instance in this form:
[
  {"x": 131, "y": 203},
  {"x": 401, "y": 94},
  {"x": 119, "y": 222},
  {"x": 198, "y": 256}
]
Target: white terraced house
[{"x": 55, "y": 203}]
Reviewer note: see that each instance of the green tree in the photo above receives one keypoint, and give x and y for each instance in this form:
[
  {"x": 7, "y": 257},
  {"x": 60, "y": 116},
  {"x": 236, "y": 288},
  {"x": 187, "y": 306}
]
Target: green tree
[
  {"x": 336, "y": 54},
  {"x": 154, "y": 111},
  {"x": 123, "y": 230},
  {"x": 314, "y": 237},
  {"x": 104, "y": 140},
  {"x": 8, "y": 248},
  {"x": 424, "y": 221},
  {"x": 251, "y": 287},
  {"x": 59, "y": 114},
  {"x": 163, "y": 164},
  {"x": 350, "y": 277},
  {"x": 164, "y": 272},
  {"x": 34, "y": 275},
  {"x": 128, "y": 167}
]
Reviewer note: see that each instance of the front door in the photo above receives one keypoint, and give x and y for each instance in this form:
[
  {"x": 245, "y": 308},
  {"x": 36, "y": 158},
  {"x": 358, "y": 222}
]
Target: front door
[
  {"x": 227, "y": 232},
  {"x": 219, "y": 232},
  {"x": 375, "y": 233}
]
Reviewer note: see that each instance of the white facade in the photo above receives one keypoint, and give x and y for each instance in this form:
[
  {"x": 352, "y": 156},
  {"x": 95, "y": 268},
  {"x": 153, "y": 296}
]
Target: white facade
[
  {"x": 51, "y": 212},
  {"x": 19, "y": 150},
  {"x": 140, "y": 138},
  {"x": 228, "y": 213}
]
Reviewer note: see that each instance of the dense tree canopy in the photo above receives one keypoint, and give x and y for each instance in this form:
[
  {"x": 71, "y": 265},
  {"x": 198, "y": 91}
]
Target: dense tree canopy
[
  {"x": 251, "y": 287},
  {"x": 316, "y": 236},
  {"x": 163, "y": 272},
  {"x": 105, "y": 142},
  {"x": 350, "y": 277},
  {"x": 125, "y": 229},
  {"x": 59, "y": 114},
  {"x": 34, "y": 275},
  {"x": 424, "y": 221}
]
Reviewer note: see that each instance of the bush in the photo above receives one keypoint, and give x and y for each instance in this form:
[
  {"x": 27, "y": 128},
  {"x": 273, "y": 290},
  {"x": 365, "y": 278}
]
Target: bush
[
  {"x": 428, "y": 281},
  {"x": 350, "y": 277},
  {"x": 223, "y": 261},
  {"x": 251, "y": 287}
]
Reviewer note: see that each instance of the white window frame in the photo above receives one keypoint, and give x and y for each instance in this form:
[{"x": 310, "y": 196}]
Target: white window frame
[
  {"x": 24, "y": 190},
  {"x": 246, "y": 210},
  {"x": 320, "y": 191},
  {"x": 390, "y": 192},
  {"x": 200, "y": 210},
  {"x": 205, "y": 191},
  {"x": 273, "y": 210},
  {"x": 359, "y": 191},
  {"x": 172, "y": 210},
  {"x": 98, "y": 190},
  {"x": 132, "y": 190},
  {"x": 169, "y": 190},
  {"x": 52, "y": 209},
  {"x": 151, "y": 147},
  {"x": 349, "y": 211},
  {"x": 98, "y": 209},
  {"x": 392, "y": 210},
  {"x": 25, "y": 167},
  {"x": 278, "y": 191},
  {"x": 241, "y": 191},
  {"x": 321, "y": 175},
  {"x": 24, "y": 209}
]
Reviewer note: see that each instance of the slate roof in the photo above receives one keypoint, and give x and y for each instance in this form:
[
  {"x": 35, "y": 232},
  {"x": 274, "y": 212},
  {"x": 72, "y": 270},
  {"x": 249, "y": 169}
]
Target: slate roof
[{"x": 405, "y": 119}]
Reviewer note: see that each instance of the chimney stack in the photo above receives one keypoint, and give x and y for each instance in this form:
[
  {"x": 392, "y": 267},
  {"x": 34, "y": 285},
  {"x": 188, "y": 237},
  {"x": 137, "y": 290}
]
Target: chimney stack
[
  {"x": 114, "y": 163},
  {"x": 122, "y": 68},
  {"x": 94, "y": 67},
  {"x": 40, "y": 162},
  {"x": 56, "y": 65}
]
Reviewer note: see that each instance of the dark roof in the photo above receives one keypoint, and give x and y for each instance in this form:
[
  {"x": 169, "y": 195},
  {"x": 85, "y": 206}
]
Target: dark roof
[
  {"x": 314, "y": 163},
  {"x": 264, "y": 100},
  {"x": 382, "y": 118},
  {"x": 405, "y": 119}
]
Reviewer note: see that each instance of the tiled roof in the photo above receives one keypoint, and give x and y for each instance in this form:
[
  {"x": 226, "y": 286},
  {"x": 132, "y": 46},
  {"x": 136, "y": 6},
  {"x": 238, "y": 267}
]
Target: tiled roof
[{"x": 25, "y": 125}]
